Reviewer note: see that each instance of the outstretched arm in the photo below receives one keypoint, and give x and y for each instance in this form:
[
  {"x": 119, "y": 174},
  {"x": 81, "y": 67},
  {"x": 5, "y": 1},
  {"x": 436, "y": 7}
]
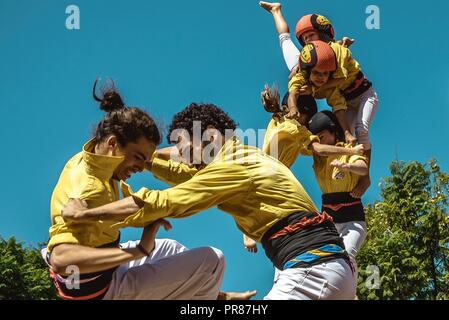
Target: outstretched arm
[
  {"x": 289, "y": 50},
  {"x": 90, "y": 260},
  {"x": 213, "y": 185},
  {"x": 329, "y": 150}
]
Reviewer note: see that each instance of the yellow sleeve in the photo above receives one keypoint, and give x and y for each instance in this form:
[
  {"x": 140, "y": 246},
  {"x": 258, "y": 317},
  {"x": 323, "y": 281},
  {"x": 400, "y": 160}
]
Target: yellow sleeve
[
  {"x": 69, "y": 232},
  {"x": 171, "y": 172},
  {"x": 336, "y": 100},
  {"x": 306, "y": 150},
  {"x": 213, "y": 185},
  {"x": 342, "y": 55},
  {"x": 353, "y": 159},
  {"x": 347, "y": 66},
  {"x": 285, "y": 139},
  {"x": 296, "y": 82}
]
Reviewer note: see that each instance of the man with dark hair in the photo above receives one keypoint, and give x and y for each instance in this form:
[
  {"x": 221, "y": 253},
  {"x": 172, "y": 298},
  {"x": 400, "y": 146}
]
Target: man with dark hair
[{"x": 265, "y": 199}]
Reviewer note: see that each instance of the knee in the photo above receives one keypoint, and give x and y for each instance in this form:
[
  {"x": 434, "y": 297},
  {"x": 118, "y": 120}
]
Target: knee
[
  {"x": 214, "y": 258},
  {"x": 171, "y": 245}
]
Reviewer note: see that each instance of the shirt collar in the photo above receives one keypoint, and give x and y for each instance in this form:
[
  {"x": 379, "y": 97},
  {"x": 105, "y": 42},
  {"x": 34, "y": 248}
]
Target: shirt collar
[{"x": 101, "y": 166}]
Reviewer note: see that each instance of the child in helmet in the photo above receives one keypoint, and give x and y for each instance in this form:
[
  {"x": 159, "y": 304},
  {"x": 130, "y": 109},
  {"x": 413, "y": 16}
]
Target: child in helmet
[
  {"x": 289, "y": 49},
  {"x": 337, "y": 176},
  {"x": 353, "y": 101},
  {"x": 347, "y": 87}
]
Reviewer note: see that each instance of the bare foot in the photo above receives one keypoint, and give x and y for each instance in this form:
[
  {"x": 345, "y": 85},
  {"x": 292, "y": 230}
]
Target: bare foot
[
  {"x": 361, "y": 187},
  {"x": 270, "y": 7},
  {"x": 237, "y": 295}
]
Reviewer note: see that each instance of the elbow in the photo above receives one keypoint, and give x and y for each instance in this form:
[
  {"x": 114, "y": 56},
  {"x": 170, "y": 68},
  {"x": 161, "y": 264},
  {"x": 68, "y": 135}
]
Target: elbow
[
  {"x": 363, "y": 171},
  {"x": 57, "y": 264},
  {"x": 59, "y": 260}
]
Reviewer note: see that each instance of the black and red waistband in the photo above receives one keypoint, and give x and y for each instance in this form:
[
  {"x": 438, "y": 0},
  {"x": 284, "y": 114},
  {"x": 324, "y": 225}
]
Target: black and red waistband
[
  {"x": 300, "y": 233},
  {"x": 359, "y": 86},
  {"x": 92, "y": 286},
  {"x": 342, "y": 207}
]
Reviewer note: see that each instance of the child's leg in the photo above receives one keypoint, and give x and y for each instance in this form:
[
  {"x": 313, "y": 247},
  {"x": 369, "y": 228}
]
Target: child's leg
[
  {"x": 289, "y": 50},
  {"x": 365, "y": 115}
]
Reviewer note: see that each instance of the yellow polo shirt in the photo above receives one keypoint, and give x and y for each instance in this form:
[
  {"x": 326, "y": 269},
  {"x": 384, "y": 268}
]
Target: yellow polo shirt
[
  {"x": 285, "y": 139},
  {"x": 253, "y": 187},
  {"x": 331, "y": 179},
  {"x": 87, "y": 176},
  {"x": 347, "y": 68}
]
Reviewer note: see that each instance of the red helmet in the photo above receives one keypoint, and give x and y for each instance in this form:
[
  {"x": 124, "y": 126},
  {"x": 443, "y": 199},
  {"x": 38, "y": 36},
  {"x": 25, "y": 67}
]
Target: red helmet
[
  {"x": 318, "y": 54},
  {"x": 313, "y": 22}
]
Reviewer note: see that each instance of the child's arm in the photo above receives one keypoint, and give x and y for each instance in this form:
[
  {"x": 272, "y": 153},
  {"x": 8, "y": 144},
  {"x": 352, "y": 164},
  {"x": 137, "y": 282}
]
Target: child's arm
[
  {"x": 293, "y": 112},
  {"x": 250, "y": 244},
  {"x": 358, "y": 167},
  {"x": 294, "y": 86},
  {"x": 325, "y": 150},
  {"x": 289, "y": 50}
]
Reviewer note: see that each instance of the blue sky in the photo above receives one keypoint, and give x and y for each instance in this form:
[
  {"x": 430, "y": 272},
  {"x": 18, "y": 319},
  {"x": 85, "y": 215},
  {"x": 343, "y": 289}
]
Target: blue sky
[{"x": 164, "y": 55}]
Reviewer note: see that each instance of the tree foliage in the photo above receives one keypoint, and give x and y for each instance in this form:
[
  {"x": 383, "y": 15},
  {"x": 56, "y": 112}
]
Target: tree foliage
[
  {"x": 23, "y": 273},
  {"x": 408, "y": 235}
]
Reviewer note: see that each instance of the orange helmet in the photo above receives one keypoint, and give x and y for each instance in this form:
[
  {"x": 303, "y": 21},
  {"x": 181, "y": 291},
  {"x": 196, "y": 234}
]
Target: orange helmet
[
  {"x": 318, "y": 54},
  {"x": 313, "y": 22}
]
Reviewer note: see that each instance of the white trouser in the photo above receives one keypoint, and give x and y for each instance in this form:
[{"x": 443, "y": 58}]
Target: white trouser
[
  {"x": 333, "y": 280},
  {"x": 360, "y": 115},
  {"x": 353, "y": 234},
  {"x": 289, "y": 50},
  {"x": 171, "y": 272}
]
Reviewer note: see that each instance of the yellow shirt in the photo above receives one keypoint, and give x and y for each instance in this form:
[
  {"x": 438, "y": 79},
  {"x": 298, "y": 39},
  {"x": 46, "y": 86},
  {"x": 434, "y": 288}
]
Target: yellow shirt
[
  {"x": 347, "y": 68},
  {"x": 285, "y": 139},
  {"x": 331, "y": 179},
  {"x": 87, "y": 176},
  {"x": 256, "y": 189}
]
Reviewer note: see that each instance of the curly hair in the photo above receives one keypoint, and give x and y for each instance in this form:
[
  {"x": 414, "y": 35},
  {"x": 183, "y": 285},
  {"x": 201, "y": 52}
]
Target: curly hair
[
  {"x": 128, "y": 124},
  {"x": 207, "y": 114}
]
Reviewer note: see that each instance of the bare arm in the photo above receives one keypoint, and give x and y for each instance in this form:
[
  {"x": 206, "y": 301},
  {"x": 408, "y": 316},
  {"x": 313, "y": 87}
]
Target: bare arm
[
  {"x": 168, "y": 153},
  {"x": 359, "y": 167},
  {"x": 292, "y": 107},
  {"x": 90, "y": 260},
  {"x": 329, "y": 150}
]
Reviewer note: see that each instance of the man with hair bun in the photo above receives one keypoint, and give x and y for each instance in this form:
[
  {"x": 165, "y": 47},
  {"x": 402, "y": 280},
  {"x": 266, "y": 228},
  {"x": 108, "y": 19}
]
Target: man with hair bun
[{"x": 124, "y": 140}]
